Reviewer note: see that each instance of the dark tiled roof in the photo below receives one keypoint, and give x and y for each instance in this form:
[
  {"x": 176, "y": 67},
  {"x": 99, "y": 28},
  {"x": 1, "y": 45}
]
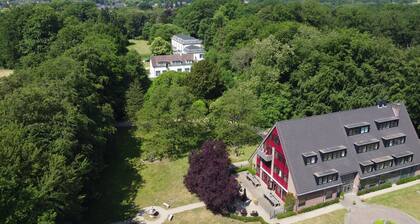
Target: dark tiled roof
[
  {"x": 324, "y": 131},
  {"x": 403, "y": 154},
  {"x": 382, "y": 159},
  {"x": 395, "y": 135},
  {"x": 162, "y": 60},
  {"x": 325, "y": 172},
  {"x": 365, "y": 142},
  {"x": 308, "y": 154},
  {"x": 333, "y": 149},
  {"x": 393, "y": 118}
]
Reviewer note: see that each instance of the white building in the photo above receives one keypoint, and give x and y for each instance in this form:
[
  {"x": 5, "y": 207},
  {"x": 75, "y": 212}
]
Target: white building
[
  {"x": 186, "y": 49},
  {"x": 184, "y": 44},
  {"x": 162, "y": 63}
]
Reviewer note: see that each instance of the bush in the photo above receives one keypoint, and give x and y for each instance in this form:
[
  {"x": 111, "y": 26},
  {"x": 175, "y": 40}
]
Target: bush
[
  {"x": 289, "y": 203},
  {"x": 308, "y": 209},
  {"x": 377, "y": 188},
  {"x": 407, "y": 179},
  {"x": 321, "y": 205},
  {"x": 248, "y": 218},
  {"x": 286, "y": 214}
]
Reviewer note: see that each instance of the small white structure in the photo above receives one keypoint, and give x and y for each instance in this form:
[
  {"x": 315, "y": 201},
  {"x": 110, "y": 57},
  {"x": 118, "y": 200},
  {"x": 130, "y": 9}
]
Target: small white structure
[
  {"x": 186, "y": 49},
  {"x": 162, "y": 63}
]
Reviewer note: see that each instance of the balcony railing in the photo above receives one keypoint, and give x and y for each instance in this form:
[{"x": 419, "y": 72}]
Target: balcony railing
[
  {"x": 266, "y": 168},
  {"x": 265, "y": 156}
]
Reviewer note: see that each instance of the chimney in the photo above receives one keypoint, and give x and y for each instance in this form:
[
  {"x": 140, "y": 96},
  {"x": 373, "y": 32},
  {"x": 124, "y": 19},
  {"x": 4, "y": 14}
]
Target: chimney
[{"x": 396, "y": 109}]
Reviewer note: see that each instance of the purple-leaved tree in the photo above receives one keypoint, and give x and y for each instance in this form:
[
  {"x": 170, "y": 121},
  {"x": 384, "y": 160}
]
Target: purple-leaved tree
[{"x": 209, "y": 177}]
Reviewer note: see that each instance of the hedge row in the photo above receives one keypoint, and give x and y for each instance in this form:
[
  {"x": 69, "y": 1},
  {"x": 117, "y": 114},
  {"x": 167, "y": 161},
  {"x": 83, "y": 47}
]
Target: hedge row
[
  {"x": 324, "y": 204},
  {"x": 408, "y": 179},
  {"x": 307, "y": 209},
  {"x": 245, "y": 168},
  {"x": 286, "y": 214},
  {"x": 248, "y": 218},
  {"x": 377, "y": 188}
]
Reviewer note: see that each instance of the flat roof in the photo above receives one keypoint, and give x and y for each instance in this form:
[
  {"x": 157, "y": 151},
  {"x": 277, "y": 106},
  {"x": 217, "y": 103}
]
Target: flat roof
[
  {"x": 365, "y": 142},
  {"x": 366, "y": 163},
  {"x": 392, "y": 136},
  {"x": 308, "y": 154},
  {"x": 382, "y": 159},
  {"x": 332, "y": 149},
  {"x": 355, "y": 125},
  {"x": 402, "y": 154},
  {"x": 325, "y": 172},
  {"x": 381, "y": 120}
]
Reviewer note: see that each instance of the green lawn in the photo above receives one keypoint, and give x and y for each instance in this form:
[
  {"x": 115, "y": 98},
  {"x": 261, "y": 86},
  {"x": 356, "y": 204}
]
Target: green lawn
[
  {"x": 244, "y": 153},
  {"x": 163, "y": 182},
  {"x": 336, "y": 217},
  {"x": 141, "y": 47},
  {"x": 203, "y": 216},
  {"x": 5, "y": 72},
  {"x": 128, "y": 184},
  {"x": 407, "y": 200}
]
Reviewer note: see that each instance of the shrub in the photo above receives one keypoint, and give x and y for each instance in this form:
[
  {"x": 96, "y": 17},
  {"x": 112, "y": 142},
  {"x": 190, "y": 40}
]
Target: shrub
[
  {"x": 321, "y": 205},
  {"x": 289, "y": 203},
  {"x": 377, "y": 188},
  {"x": 286, "y": 214},
  {"x": 248, "y": 218},
  {"x": 407, "y": 179}
]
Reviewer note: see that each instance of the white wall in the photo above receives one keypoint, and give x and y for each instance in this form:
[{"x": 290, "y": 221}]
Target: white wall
[{"x": 178, "y": 68}]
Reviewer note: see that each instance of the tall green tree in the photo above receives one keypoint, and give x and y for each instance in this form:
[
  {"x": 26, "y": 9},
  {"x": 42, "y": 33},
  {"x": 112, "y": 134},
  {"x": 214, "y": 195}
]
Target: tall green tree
[
  {"x": 160, "y": 46},
  {"x": 168, "y": 123},
  {"x": 205, "y": 81},
  {"x": 236, "y": 116}
]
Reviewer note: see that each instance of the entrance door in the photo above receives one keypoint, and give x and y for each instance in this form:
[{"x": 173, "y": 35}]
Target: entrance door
[
  {"x": 347, "y": 187},
  {"x": 347, "y": 182}
]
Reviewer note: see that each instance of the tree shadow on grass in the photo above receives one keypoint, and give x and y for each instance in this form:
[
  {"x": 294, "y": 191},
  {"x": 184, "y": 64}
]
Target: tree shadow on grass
[{"x": 119, "y": 181}]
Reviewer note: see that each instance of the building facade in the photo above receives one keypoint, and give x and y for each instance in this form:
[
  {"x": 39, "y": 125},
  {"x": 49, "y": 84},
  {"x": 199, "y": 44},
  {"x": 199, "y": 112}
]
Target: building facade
[
  {"x": 162, "y": 63},
  {"x": 316, "y": 158},
  {"x": 186, "y": 50}
]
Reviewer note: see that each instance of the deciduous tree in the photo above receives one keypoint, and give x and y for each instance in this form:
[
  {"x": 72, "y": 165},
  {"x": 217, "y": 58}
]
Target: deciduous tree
[{"x": 209, "y": 176}]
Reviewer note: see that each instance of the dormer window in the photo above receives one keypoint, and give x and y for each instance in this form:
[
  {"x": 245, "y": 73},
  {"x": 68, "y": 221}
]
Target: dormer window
[
  {"x": 358, "y": 128},
  {"x": 403, "y": 158},
  {"x": 310, "y": 158},
  {"x": 333, "y": 153},
  {"x": 394, "y": 139},
  {"x": 385, "y": 123},
  {"x": 383, "y": 162},
  {"x": 327, "y": 176},
  {"x": 367, "y": 166},
  {"x": 367, "y": 145}
]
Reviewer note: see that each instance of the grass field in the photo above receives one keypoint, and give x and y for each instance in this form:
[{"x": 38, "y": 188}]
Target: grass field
[
  {"x": 336, "y": 217},
  {"x": 203, "y": 216},
  {"x": 141, "y": 47},
  {"x": 128, "y": 184},
  {"x": 407, "y": 200},
  {"x": 5, "y": 72},
  {"x": 244, "y": 153},
  {"x": 163, "y": 182}
]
